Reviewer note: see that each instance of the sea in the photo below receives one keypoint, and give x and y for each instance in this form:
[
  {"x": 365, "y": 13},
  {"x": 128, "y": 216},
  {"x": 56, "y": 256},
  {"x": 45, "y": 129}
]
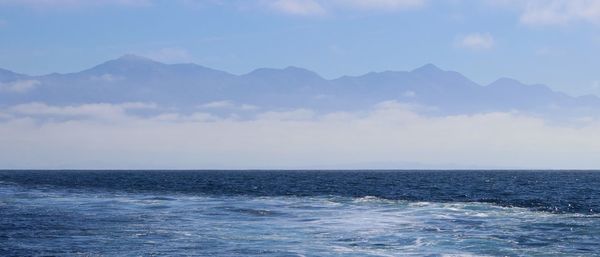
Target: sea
[{"x": 299, "y": 213}]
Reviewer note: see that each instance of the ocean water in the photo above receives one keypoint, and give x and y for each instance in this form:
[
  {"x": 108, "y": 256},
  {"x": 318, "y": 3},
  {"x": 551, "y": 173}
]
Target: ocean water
[{"x": 299, "y": 213}]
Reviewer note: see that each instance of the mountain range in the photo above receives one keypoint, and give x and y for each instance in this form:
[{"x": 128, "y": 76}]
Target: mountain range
[{"x": 133, "y": 78}]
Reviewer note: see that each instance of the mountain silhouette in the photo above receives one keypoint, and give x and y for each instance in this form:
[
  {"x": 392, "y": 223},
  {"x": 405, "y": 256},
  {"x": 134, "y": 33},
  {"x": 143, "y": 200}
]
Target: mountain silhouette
[{"x": 132, "y": 78}]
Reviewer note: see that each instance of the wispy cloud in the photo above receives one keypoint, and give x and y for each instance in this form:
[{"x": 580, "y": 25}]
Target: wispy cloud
[
  {"x": 43, "y": 4},
  {"x": 19, "y": 86},
  {"x": 296, "y": 7},
  {"x": 553, "y": 12},
  {"x": 294, "y": 115},
  {"x": 305, "y": 8},
  {"x": 217, "y": 105},
  {"x": 548, "y": 51},
  {"x": 249, "y": 107},
  {"x": 106, "y": 78},
  {"x": 476, "y": 41},
  {"x": 322, "y": 7},
  {"x": 382, "y": 5},
  {"x": 409, "y": 94},
  {"x": 102, "y": 111},
  {"x": 227, "y": 104}
]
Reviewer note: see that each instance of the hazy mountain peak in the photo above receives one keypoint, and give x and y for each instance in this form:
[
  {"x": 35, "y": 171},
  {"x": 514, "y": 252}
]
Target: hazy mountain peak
[
  {"x": 7, "y": 75},
  {"x": 197, "y": 70},
  {"x": 5, "y": 71},
  {"x": 512, "y": 87},
  {"x": 126, "y": 64},
  {"x": 298, "y": 70},
  {"x": 291, "y": 71},
  {"x": 505, "y": 82},
  {"x": 513, "y": 83},
  {"x": 427, "y": 69},
  {"x": 131, "y": 60}
]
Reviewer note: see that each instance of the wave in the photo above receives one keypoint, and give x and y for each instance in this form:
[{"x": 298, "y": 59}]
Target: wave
[
  {"x": 554, "y": 192},
  {"x": 328, "y": 225}
]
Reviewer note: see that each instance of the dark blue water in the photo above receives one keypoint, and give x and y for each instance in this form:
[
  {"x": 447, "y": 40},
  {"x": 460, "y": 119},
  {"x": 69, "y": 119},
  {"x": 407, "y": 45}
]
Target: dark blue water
[{"x": 299, "y": 213}]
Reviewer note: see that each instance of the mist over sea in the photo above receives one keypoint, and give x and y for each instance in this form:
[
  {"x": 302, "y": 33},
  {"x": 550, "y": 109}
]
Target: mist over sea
[{"x": 299, "y": 213}]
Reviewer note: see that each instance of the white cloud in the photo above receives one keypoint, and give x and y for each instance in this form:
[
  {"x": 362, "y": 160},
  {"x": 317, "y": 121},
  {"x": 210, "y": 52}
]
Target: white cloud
[
  {"x": 409, "y": 94},
  {"x": 106, "y": 78},
  {"x": 42, "y": 4},
  {"x": 249, "y": 107},
  {"x": 299, "y": 114},
  {"x": 290, "y": 7},
  {"x": 296, "y": 7},
  {"x": 476, "y": 41},
  {"x": 322, "y": 7},
  {"x": 194, "y": 117},
  {"x": 19, "y": 86},
  {"x": 561, "y": 12},
  {"x": 103, "y": 111},
  {"x": 554, "y": 12},
  {"x": 384, "y": 5},
  {"x": 389, "y": 133},
  {"x": 227, "y": 104},
  {"x": 170, "y": 55}
]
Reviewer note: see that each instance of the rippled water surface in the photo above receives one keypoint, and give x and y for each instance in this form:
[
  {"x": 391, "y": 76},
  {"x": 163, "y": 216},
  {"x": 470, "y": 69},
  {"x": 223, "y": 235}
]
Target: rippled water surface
[{"x": 299, "y": 213}]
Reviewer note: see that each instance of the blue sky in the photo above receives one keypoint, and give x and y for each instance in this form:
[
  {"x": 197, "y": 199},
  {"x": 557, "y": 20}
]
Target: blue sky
[{"x": 555, "y": 42}]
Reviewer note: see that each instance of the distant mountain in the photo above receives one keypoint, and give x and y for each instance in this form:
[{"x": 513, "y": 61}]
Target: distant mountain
[
  {"x": 134, "y": 78},
  {"x": 136, "y": 67},
  {"x": 7, "y": 76}
]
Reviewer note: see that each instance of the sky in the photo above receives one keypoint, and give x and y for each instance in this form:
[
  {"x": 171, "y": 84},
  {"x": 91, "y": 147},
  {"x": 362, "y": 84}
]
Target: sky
[{"x": 553, "y": 42}]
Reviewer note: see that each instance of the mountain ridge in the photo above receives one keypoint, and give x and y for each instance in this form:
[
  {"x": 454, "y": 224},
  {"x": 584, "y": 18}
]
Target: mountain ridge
[
  {"x": 137, "y": 59},
  {"x": 136, "y": 78}
]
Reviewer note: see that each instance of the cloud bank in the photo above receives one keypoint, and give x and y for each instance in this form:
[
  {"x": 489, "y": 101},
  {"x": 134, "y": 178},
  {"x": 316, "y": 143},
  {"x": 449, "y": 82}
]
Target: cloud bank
[
  {"x": 554, "y": 12},
  {"x": 389, "y": 135}
]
